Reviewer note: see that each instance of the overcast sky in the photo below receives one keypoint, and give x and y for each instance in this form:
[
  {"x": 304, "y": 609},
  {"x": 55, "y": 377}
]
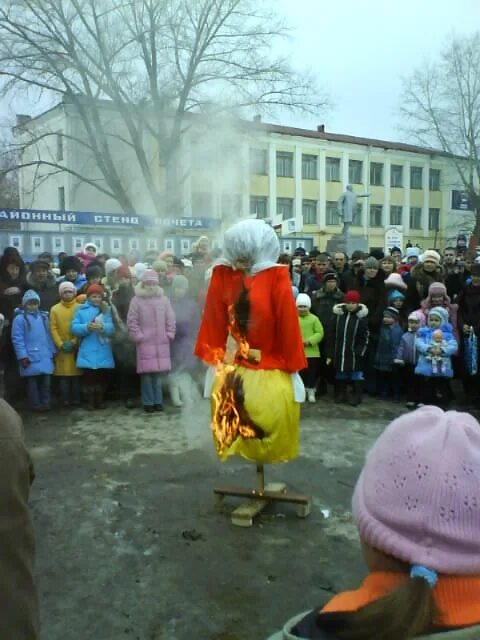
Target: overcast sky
[{"x": 360, "y": 49}]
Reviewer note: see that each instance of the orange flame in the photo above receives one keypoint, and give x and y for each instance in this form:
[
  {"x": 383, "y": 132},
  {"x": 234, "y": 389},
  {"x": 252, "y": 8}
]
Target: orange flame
[{"x": 229, "y": 417}]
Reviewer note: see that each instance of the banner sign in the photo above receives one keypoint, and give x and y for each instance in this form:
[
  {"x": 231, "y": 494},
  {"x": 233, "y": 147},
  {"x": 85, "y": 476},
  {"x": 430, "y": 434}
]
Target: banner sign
[
  {"x": 461, "y": 201},
  {"x": 92, "y": 218},
  {"x": 393, "y": 238}
]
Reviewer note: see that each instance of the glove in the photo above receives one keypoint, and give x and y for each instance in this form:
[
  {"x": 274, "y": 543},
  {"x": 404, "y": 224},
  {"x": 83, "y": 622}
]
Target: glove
[
  {"x": 25, "y": 362},
  {"x": 67, "y": 346},
  {"x": 329, "y": 361},
  {"x": 397, "y": 361}
]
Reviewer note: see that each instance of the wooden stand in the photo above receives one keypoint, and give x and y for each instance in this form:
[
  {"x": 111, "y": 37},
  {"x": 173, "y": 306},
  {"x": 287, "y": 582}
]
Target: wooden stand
[{"x": 260, "y": 497}]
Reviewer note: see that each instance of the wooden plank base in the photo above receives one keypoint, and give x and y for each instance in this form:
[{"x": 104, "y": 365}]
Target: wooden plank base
[{"x": 244, "y": 514}]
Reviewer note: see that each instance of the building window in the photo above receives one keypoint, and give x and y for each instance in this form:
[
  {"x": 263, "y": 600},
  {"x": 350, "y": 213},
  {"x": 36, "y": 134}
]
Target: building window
[
  {"x": 133, "y": 244},
  {"x": 59, "y": 138},
  {"x": 258, "y": 161},
  {"x": 415, "y": 217},
  {"x": 169, "y": 244},
  {"x": 434, "y": 180},
  {"x": 331, "y": 213},
  {"x": 61, "y": 198},
  {"x": 231, "y": 205},
  {"x": 357, "y": 220},
  {"x": 309, "y": 167},
  {"x": 116, "y": 244},
  {"x": 376, "y": 174},
  {"x": 16, "y": 241},
  {"x": 415, "y": 177},
  {"x": 396, "y": 175},
  {"x": 355, "y": 170},
  {"x": 309, "y": 211},
  {"x": 285, "y": 208},
  {"x": 433, "y": 219},
  {"x": 396, "y": 214},
  {"x": 332, "y": 169},
  {"x": 258, "y": 206},
  {"x": 376, "y": 215},
  {"x": 284, "y": 164},
  {"x": 37, "y": 244},
  {"x": 185, "y": 244},
  {"x": 152, "y": 244},
  {"x": 57, "y": 244},
  {"x": 77, "y": 243}
]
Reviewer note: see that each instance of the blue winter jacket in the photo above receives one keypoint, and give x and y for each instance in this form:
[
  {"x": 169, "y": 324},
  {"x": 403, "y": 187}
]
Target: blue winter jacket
[
  {"x": 79, "y": 282},
  {"x": 407, "y": 350},
  {"x": 31, "y": 339},
  {"x": 95, "y": 350},
  {"x": 388, "y": 341},
  {"x": 424, "y": 342}
]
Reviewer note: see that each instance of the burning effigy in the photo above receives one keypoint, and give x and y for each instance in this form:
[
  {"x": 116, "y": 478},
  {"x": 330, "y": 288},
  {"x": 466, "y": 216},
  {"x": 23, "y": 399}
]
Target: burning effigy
[{"x": 251, "y": 339}]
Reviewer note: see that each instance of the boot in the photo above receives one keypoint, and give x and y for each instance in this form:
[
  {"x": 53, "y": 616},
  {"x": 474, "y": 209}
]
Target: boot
[
  {"x": 174, "y": 390},
  {"x": 340, "y": 392},
  {"x": 99, "y": 397},
  {"x": 311, "y": 395},
  {"x": 356, "y": 398},
  {"x": 90, "y": 398}
]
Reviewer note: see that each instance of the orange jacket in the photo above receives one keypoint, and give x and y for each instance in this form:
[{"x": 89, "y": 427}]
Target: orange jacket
[{"x": 273, "y": 322}]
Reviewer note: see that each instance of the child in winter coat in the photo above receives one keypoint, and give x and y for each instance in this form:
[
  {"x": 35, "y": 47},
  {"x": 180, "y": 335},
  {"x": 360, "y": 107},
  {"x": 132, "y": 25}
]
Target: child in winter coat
[
  {"x": 61, "y": 316},
  {"x": 406, "y": 360},
  {"x": 151, "y": 325},
  {"x": 396, "y": 299},
  {"x": 350, "y": 340},
  {"x": 34, "y": 349},
  {"x": 312, "y": 334},
  {"x": 184, "y": 363},
  {"x": 92, "y": 324},
  {"x": 415, "y": 506},
  {"x": 388, "y": 341},
  {"x": 435, "y": 380},
  {"x": 70, "y": 272}
]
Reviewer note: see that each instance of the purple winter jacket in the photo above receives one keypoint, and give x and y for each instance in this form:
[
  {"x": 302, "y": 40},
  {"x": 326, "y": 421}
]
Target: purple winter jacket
[
  {"x": 151, "y": 325},
  {"x": 187, "y": 315},
  {"x": 406, "y": 349}
]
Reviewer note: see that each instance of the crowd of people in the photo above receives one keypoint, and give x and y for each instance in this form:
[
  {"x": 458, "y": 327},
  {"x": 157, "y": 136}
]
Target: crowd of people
[
  {"x": 399, "y": 325},
  {"x": 94, "y": 324}
]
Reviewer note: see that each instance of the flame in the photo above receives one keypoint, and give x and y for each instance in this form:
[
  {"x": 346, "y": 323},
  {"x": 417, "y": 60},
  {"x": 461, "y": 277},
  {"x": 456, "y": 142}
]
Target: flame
[{"x": 230, "y": 419}]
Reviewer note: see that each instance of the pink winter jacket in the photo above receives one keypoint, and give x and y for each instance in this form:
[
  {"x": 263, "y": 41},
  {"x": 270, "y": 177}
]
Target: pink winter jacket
[{"x": 151, "y": 325}]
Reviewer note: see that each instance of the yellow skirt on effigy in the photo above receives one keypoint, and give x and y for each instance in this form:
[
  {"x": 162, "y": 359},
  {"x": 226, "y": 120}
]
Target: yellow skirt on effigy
[{"x": 269, "y": 402}]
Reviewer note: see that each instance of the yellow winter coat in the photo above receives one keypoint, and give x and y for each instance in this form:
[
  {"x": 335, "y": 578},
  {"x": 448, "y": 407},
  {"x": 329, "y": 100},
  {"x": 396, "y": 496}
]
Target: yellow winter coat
[{"x": 61, "y": 316}]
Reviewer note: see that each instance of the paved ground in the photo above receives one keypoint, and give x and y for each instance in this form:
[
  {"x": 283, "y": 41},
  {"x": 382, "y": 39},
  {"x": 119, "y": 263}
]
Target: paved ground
[{"x": 130, "y": 542}]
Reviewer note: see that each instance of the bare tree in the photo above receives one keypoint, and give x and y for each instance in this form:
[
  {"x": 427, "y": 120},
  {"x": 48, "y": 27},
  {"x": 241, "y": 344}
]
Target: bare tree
[
  {"x": 8, "y": 176},
  {"x": 157, "y": 62},
  {"x": 441, "y": 109}
]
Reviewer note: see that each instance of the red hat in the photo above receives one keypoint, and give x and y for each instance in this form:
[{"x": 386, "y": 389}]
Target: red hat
[
  {"x": 352, "y": 296},
  {"x": 95, "y": 288}
]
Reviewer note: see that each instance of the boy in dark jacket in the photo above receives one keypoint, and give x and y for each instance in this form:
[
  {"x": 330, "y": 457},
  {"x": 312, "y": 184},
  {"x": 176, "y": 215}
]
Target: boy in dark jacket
[
  {"x": 350, "y": 340},
  {"x": 388, "y": 341},
  {"x": 407, "y": 358},
  {"x": 323, "y": 302}
]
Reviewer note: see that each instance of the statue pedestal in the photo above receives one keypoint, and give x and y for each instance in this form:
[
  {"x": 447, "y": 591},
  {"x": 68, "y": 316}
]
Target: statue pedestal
[{"x": 346, "y": 243}]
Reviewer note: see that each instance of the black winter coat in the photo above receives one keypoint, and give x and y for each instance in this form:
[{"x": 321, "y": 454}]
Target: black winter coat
[
  {"x": 418, "y": 283},
  {"x": 350, "y": 339},
  {"x": 373, "y": 295}
]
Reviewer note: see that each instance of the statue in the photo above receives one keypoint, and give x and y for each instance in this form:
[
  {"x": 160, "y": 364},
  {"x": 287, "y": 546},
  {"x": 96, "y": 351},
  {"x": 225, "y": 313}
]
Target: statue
[{"x": 347, "y": 205}]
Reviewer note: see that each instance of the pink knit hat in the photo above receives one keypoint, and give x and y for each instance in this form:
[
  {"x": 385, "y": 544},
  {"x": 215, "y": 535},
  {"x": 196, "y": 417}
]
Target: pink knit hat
[
  {"x": 66, "y": 286},
  {"x": 149, "y": 275},
  {"x": 418, "y": 496},
  {"x": 396, "y": 281},
  {"x": 437, "y": 288}
]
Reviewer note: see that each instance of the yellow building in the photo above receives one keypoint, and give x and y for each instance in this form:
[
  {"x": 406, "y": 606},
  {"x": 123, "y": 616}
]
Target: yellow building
[{"x": 300, "y": 174}]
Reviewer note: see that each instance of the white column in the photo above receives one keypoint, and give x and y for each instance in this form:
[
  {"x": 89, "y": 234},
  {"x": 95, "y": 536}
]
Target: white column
[
  {"x": 344, "y": 169},
  {"x": 322, "y": 215},
  {"x": 297, "y": 203},
  {"x": 426, "y": 198},
  {"x": 386, "y": 192},
  {"x": 366, "y": 201},
  {"x": 406, "y": 200},
  {"x": 186, "y": 167},
  {"x": 272, "y": 182}
]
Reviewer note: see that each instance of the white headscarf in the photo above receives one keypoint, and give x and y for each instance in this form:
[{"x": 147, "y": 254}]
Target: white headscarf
[{"x": 252, "y": 239}]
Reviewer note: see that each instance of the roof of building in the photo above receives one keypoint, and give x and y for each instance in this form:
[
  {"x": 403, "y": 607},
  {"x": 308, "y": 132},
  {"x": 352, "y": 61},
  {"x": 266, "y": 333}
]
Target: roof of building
[
  {"x": 345, "y": 138},
  {"x": 319, "y": 134}
]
